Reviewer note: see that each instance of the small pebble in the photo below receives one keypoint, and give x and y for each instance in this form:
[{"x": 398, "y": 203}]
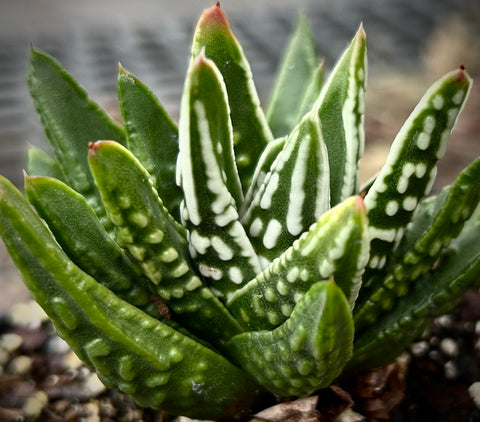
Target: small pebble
[
  {"x": 474, "y": 391},
  {"x": 93, "y": 386},
  {"x": 420, "y": 348},
  {"x": 477, "y": 328},
  {"x": 57, "y": 345},
  {"x": 72, "y": 361},
  {"x": 11, "y": 342},
  {"x": 348, "y": 415},
  {"x": 449, "y": 347},
  {"x": 107, "y": 409},
  {"x": 20, "y": 365},
  {"x": 92, "y": 412},
  {"x": 450, "y": 370},
  {"x": 435, "y": 355},
  {"x": 33, "y": 406},
  {"x": 27, "y": 315},
  {"x": 444, "y": 321},
  {"x": 434, "y": 341},
  {"x": 4, "y": 356}
]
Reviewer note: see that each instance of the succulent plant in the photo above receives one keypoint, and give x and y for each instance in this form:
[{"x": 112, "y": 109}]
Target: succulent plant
[{"x": 198, "y": 268}]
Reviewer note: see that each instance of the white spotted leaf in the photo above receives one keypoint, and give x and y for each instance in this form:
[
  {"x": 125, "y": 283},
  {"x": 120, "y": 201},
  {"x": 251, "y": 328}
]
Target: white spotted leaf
[
  {"x": 410, "y": 169},
  {"x": 341, "y": 106},
  {"x": 305, "y": 353},
  {"x": 153, "y": 239},
  {"x": 438, "y": 220},
  {"x": 215, "y": 37},
  {"x": 337, "y": 245},
  {"x": 207, "y": 175},
  {"x": 299, "y": 179}
]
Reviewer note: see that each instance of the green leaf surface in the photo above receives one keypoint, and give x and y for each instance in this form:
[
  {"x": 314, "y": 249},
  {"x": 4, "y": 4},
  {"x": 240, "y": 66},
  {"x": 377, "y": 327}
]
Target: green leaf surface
[
  {"x": 336, "y": 245},
  {"x": 250, "y": 129},
  {"x": 80, "y": 234},
  {"x": 152, "y": 136},
  {"x": 432, "y": 295},
  {"x": 410, "y": 169},
  {"x": 437, "y": 221},
  {"x": 265, "y": 162},
  {"x": 313, "y": 91},
  {"x": 71, "y": 121},
  {"x": 305, "y": 353},
  {"x": 341, "y": 107},
  {"x": 299, "y": 177},
  {"x": 128, "y": 349},
  {"x": 219, "y": 242},
  {"x": 154, "y": 240},
  {"x": 39, "y": 163},
  {"x": 295, "y": 72}
]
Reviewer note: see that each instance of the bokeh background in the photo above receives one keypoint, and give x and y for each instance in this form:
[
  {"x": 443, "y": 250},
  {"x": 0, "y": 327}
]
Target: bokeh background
[{"x": 410, "y": 44}]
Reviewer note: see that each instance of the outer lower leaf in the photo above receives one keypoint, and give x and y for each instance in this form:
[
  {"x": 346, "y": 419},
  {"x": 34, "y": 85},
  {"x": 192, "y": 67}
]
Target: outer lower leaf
[
  {"x": 295, "y": 72},
  {"x": 86, "y": 242},
  {"x": 410, "y": 169},
  {"x": 41, "y": 164},
  {"x": 341, "y": 107},
  {"x": 336, "y": 245},
  {"x": 433, "y": 294},
  {"x": 438, "y": 220},
  {"x": 207, "y": 172},
  {"x": 141, "y": 356},
  {"x": 305, "y": 353},
  {"x": 154, "y": 240},
  {"x": 250, "y": 128},
  {"x": 299, "y": 178},
  {"x": 71, "y": 120},
  {"x": 152, "y": 136}
]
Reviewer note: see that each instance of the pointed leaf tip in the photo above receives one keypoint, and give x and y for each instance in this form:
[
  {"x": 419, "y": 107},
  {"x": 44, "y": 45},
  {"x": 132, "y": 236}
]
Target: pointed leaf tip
[
  {"x": 359, "y": 204},
  {"x": 216, "y": 15},
  {"x": 361, "y": 31},
  {"x": 462, "y": 73}
]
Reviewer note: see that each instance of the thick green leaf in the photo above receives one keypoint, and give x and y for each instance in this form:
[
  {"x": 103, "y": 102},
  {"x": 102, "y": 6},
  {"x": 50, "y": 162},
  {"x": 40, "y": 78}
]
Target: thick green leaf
[
  {"x": 312, "y": 92},
  {"x": 86, "y": 242},
  {"x": 437, "y": 221},
  {"x": 410, "y": 169},
  {"x": 219, "y": 243},
  {"x": 39, "y": 163},
  {"x": 432, "y": 295},
  {"x": 156, "y": 365},
  {"x": 336, "y": 245},
  {"x": 299, "y": 178},
  {"x": 295, "y": 72},
  {"x": 154, "y": 240},
  {"x": 250, "y": 129},
  {"x": 152, "y": 136},
  {"x": 71, "y": 121},
  {"x": 305, "y": 353},
  {"x": 265, "y": 162},
  {"x": 341, "y": 107}
]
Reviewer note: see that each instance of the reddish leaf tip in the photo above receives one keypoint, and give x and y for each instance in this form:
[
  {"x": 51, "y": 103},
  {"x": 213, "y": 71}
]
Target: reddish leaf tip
[
  {"x": 359, "y": 203},
  {"x": 215, "y": 15},
  {"x": 92, "y": 148}
]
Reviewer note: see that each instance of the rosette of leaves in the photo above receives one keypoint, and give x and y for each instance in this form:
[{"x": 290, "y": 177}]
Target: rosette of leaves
[{"x": 202, "y": 266}]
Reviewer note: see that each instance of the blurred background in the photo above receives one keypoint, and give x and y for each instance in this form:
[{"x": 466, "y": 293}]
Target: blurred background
[{"x": 410, "y": 44}]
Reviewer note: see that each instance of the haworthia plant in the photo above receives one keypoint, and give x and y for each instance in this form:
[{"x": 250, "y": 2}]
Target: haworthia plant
[{"x": 205, "y": 266}]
